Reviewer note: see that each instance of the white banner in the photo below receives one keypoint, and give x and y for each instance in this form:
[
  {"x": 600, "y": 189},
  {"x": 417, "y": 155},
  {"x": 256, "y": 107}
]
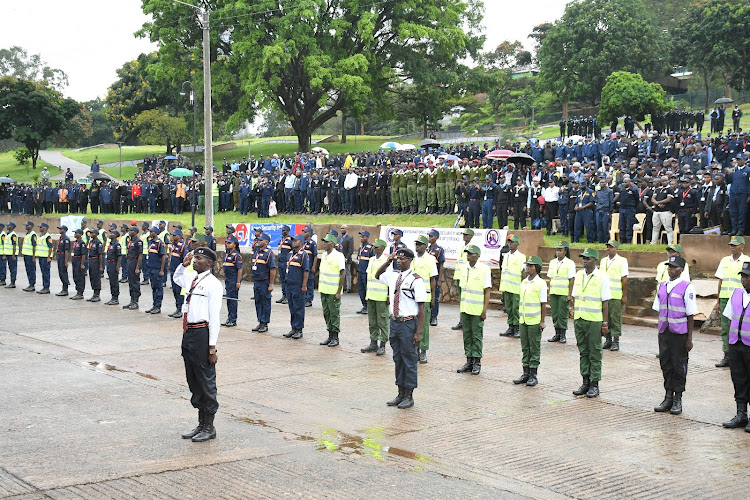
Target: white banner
[{"x": 490, "y": 241}]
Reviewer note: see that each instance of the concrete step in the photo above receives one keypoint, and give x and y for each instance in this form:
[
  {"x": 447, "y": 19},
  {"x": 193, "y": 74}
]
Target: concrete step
[
  {"x": 639, "y": 311},
  {"x": 628, "y": 319}
]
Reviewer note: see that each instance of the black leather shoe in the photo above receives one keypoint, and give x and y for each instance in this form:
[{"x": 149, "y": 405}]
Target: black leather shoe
[
  {"x": 433, "y": 322},
  {"x": 290, "y": 333},
  {"x": 556, "y": 337},
  {"x": 523, "y": 378},
  {"x": 467, "y": 366},
  {"x": 607, "y": 344},
  {"x": 281, "y": 300},
  {"x": 263, "y": 328},
  {"x": 133, "y": 306},
  {"x": 95, "y": 298},
  {"x": 176, "y": 314},
  {"x": 509, "y": 332},
  {"x": 459, "y": 326},
  {"x": 739, "y": 420},
  {"x": 29, "y": 289},
  {"x": 516, "y": 332},
  {"x": 308, "y": 304},
  {"x": 328, "y": 340},
  {"x": 208, "y": 431},
  {"x": 408, "y": 400},
  {"x": 584, "y": 387},
  {"x": 63, "y": 293},
  {"x": 724, "y": 362},
  {"x": 77, "y": 296},
  {"x": 362, "y": 311},
  {"x": 397, "y": 400},
  {"x": 257, "y": 327},
  {"x": 532, "y": 378},
  {"x": 563, "y": 334},
  {"x": 197, "y": 430},
  {"x": 665, "y": 405},
  {"x": 615, "y": 344},
  {"x": 149, "y": 311},
  {"x": 297, "y": 335},
  {"x": 43, "y": 291},
  {"x": 334, "y": 340},
  {"x": 593, "y": 390},
  {"x": 12, "y": 285},
  {"x": 229, "y": 324},
  {"x": 381, "y": 349},
  {"x": 370, "y": 348},
  {"x": 156, "y": 310},
  {"x": 477, "y": 368}
]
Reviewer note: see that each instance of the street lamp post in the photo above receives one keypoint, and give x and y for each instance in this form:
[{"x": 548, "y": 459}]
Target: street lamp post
[
  {"x": 120, "y": 145},
  {"x": 194, "y": 101}
]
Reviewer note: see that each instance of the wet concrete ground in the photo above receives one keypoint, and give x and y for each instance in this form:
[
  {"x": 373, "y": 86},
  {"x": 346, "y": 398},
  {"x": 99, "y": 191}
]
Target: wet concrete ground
[{"x": 95, "y": 399}]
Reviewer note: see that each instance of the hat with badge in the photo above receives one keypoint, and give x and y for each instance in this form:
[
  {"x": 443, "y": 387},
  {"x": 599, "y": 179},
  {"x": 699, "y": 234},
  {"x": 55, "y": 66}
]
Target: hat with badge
[
  {"x": 469, "y": 231},
  {"x": 590, "y": 252},
  {"x": 737, "y": 240},
  {"x": 115, "y": 233},
  {"x": 112, "y": 224},
  {"x": 61, "y": 228},
  {"x": 285, "y": 228},
  {"x": 473, "y": 249},
  {"x": 29, "y": 223},
  {"x": 133, "y": 228},
  {"x": 299, "y": 237},
  {"x": 176, "y": 232},
  {"x": 11, "y": 224},
  {"x": 144, "y": 224},
  {"x": 745, "y": 268},
  {"x": 230, "y": 228},
  {"x": 78, "y": 231},
  {"x": 264, "y": 237},
  {"x": 210, "y": 228},
  {"x": 154, "y": 229},
  {"x": 676, "y": 261},
  {"x": 533, "y": 259},
  {"x": 422, "y": 240},
  {"x": 405, "y": 253},
  {"x": 330, "y": 238},
  {"x": 205, "y": 252},
  {"x": 380, "y": 243},
  {"x": 562, "y": 244},
  {"x": 613, "y": 243},
  {"x": 514, "y": 237},
  {"x": 308, "y": 230},
  {"x": 232, "y": 239},
  {"x": 397, "y": 232}
]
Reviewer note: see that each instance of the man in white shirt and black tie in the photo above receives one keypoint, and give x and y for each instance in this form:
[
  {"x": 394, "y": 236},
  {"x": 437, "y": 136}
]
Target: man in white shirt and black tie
[{"x": 201, "y": 313}]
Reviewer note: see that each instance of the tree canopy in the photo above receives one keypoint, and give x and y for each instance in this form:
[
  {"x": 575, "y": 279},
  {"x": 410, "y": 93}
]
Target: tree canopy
[
  {"x": 629, "y": 94},
  {"x": 15, "y": 61}
]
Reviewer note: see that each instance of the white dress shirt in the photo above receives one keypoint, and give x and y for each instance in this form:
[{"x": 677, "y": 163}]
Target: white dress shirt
[
  {"x": 205, "y": 301},
  {"x": 412, "y": 291}
]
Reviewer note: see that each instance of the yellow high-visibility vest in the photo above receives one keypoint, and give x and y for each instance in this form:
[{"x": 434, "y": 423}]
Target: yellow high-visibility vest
[
  {"x": 423, "y": 267},
  {"x": 730, "y": 275},
  {"x": 512, "y": 272},
  {"x": 28, "y": 248},
  {"x": 329, "y": 272},
  {"x": 558, "y": 272},
  {"x": 42, "y": 246},
  {"x": 613, "y": 269},
  {"x": 530, "y": 305},
  {"x": 587, "y": 291},
  {"x": 10, "y": 237},
  {"x": 376, "y": 290},
  {"x": 472, "y": 288}
]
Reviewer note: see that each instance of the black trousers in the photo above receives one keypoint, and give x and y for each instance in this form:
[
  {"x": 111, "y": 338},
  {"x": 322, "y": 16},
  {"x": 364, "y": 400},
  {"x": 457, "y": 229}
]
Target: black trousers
[
  {"x": 114, "y": 284},
  {"x": 200, "y": 374},
  {"x": 673, "y": 359},
  {"x": 502, "y": 216},
  {"x": 79, "y": 275},
  {"x": 134, "y": 286},
  {"x": 519, "y": 216},
  {"x": 95, "y": 276},
  {"x": 739, "y": 367},
  {"x": 62, "y": 271}
]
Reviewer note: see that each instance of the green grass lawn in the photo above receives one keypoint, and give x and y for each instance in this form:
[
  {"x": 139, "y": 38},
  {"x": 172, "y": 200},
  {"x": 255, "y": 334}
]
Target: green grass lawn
[
  {"x": 110, "y": 155},
  {"x": 551, "y": 241},
  {"x": 22, "y": 173}
]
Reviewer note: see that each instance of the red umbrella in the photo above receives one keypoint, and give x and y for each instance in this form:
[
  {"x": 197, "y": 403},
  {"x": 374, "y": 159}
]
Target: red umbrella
[{"x": 499, "y": 154}]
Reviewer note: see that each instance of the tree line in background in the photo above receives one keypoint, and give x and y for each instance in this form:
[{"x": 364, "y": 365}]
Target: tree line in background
[{"x": 385, "y": 67}]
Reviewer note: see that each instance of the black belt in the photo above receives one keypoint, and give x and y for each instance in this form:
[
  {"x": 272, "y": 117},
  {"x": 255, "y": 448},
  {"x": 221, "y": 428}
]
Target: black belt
[
  {"x": 401, "y": 319},
  {"x": 198, "y": 325},
  {"x": 473, "y": 199},
  {"x": 260, "y": 279}
]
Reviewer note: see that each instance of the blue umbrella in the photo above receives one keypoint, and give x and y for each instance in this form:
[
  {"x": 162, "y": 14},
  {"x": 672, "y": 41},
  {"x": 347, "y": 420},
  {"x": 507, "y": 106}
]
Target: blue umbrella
[
  {"x": 171, "y": 157},
  {"x": 452, "y": 157},
  {"x": 389, "y": 145}
]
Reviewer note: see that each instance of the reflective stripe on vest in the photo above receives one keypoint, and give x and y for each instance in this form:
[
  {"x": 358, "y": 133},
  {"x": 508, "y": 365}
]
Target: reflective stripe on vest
[
  {"x": 530, "y": 306},
  {"x": 730, "y": 280},
  {"x": 558, "y": 273},
  {"x": 8, "y": 247},
  {"x": 472, "y": 289},
  {"x": 511, "y": 274},
  {"x": 2, "y": 242},
  {"x": 42, "y": 247},
  {"x": 144, "y": 239},
  {"x": 735, "y": 331},
  {"x": 376, "y": 289},
  {"x": 28, "y": 248},
  {"x": 460, "y": 265},
  {"x": 329, "y": 273},
  {"x": 587, "y": 292},
  {"x": 423, "y": 267},
  {"x": 613, "y": 269},
  {"x": 672, "y": 308}
]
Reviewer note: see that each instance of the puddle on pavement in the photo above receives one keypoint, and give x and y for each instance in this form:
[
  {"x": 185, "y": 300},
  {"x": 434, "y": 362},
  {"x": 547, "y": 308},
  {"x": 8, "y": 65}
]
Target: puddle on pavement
[
  {"x": 260, "y": 422},
  {"x": 370, "y": 446},
  {"x": 113, "y": 368}
]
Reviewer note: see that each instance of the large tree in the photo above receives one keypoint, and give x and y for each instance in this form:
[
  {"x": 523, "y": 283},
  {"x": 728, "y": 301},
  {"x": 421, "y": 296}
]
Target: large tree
[
  {"x": 15, "y": 61},
  {"x": 156, "y": 126},
  {"x": 595, "y": 38},
  {"x": 31, "y": 113},
  {"x": 629, "y": 94},
  {"x": 314, "y": 58}
]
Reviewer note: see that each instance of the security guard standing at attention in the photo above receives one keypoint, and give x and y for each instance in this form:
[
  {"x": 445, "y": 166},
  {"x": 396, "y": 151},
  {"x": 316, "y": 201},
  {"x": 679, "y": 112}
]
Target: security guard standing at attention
[
  {"x": 95, "y": 254},
  {"x": 264, "y": 274},
  {"x": 145, "y": 236},
  {"x": 156, "y": 258},
  {"x": 63, "y": 257},
  {"x": 3, "y": 268},
  {"x": 200, "y": 332},
  {"x": 232, "y": 278},
  {"x": 332, "y": 268},
  {"x": 28, "y": 250},
  {"x": 591, "y": 296},
  {"x": 406, "y": 299},
  {"x": 439, "y": 253},
  {"x": 44, "y": 251},
  {"x": 177, "y": 252},
  {"x": 133, "y": 256},
  {"x": 458, "y": 271},
  {"x": 311, "y": 248},
  {"x": 297, "y": 274},
  {"x": 377, "y": 300},
  {"x": 616, "y": 267},
  {"x": 513, "y": 267},
  {"x": 364, "y": 254},
  {"x": 533, "y": 299},
  {"x": 80, "y": 263},
  {"x": 738, "y": 312},
  {"x": 424, "y": 265},
  {"x": 475, "y": 299},
  {"x": 10, "y": 254},
  {"x": 561, "y": 273},
  {"x": 729, "y": 281},
  {"x": 113, "y": 267},
  {"x": 124, "y": 239},
  {"x": 285, "y": 250},
  {"x": 210, "y": 238}
]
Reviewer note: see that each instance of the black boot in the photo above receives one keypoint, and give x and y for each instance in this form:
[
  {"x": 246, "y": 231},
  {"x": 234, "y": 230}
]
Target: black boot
[
  {"x": 381, "y": 349},
  {"x": 676, "y": 404},
  {"x": 665, "y": 405},
  {"x": 290, "y": 333},
  {"x": 263, "y": 328},
  {"x": 739, "y": 420},
  {"x": 532, "y": 378},
  {"x": 516, "y": 331},
  {"x": 509, "y": 332},
  {"x": 397, "y": 400},
  {"x": 556, "y": 337},
  {"x": 608, "y": 343},
  {"x": 281, "y": 300},
  {"x": 62, "y": 293},
  {"x": 459, "y": 326},
  {"x": 422, "y": 356},
  {"x": 257, "y": 328},
  {"x": 615, "y": 344},
  {"x": 523, "y": 378},
  {"x": 563, "y": 333},
  {"x": 477, "y": 366},
  {"x": 370, "y": 348},
  {"x": 334, "y": 339},
  {"x": 593, "y": 390},
  {"x": 584, "y": 387},
  {"x": 328, "y": 340},
  {"x": 467, "y": 366},
  {"x": 724, "y": 362},
  {"x": 197, "y": 430},
  {"x": 408, "y": 400},
  {"x": 208, "y": 431},
  {"x": 297, "y": 335}
]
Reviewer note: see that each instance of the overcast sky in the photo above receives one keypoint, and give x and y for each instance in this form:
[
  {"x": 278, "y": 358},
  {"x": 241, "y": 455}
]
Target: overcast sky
[{"x": 90, "y": 39}]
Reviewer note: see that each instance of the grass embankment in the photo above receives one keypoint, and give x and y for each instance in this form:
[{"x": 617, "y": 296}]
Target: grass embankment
[{"x": 23, "y": 173}]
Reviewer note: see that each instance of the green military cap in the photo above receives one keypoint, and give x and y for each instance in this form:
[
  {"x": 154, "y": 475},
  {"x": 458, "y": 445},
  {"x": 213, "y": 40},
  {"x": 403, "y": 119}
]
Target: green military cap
[
  {"x": 676, "y": 248},
  {"x": 331, "y": 238},
  {"x": 468, "y": 231},
  {"x": 562, "y": 244},
  {"x": 590, "y": 252},
  {"x": 473, "y": 249},
  {"x": 533, "y": 259},
  {"x": 514, "y": 237},
  {"x": 613, "y": 243},
  {"x": 199, "y": 237},
  {"x": 737, "y": 240},
  {"x": 380, "y": 243},
  {"x": 422, "y": 239}
]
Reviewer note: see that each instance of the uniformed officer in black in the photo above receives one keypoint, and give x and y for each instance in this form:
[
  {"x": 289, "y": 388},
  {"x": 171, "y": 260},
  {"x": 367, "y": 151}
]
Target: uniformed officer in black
[
  {"x": 177, "y": 252},
  {"x": 156, "y": 257},
  {"x": 264, "y": 274},
  {"x": 133, "y": 256},
  {"x": 96, "y": 265},
  {"x": 80, "y": 261},
  {"x": 285, "y": 249},
  {"x": 688, "y": 199},
  {"x": 113, "y": 267},
  {"x": 297, "y": 274},
  {"x": 364, "y": 253},
  {"x": 63, "y": 256},
  {"x": 232, "y": 278},
  {"x": 210, "y": 239}
]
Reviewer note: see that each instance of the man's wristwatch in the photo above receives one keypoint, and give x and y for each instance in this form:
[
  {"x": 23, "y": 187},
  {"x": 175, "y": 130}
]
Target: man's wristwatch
[{"x": 212, "y": 351}]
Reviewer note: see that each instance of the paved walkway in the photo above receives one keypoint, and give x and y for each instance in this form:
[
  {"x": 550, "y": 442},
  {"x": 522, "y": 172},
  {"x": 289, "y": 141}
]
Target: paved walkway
[
  {"x": 57, "y": 159},
  {"x": 95, "y": 399}
]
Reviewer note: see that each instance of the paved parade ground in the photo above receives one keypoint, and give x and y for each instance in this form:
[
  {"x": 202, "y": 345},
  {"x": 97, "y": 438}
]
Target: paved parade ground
[{"x": 95, "y": 400}]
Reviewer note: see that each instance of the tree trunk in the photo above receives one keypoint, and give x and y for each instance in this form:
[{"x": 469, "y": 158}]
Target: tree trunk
[
  {"x": 343, "y": 128},
  {"x": 707, "y": 80},
  {"x": 565, "y": 110},
  {"x": 362, "y": 128},
  {"x": 303, "y": 139},
  {"x": 424, "y": 121}
]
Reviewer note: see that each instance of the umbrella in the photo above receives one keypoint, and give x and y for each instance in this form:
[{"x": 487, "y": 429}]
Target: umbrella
[
  {"x": 6, "y": 180},
  {"x": 171, "y": 157},
  {"x": 429, "y": 143},
  {"x": 389, "y": 145},
  {"x": 318, "y": 149},
  {"x": 723, "y": 100},
  {"x": 405, "y": 147},
  {"x": 83, "y": 180},
  {"x": 98, "y": 176},
  {"x": 499, "y": 154},
  {"x": 521, "y": 158},
  {"x": 447, "y": 158},
  {"x": 181, "y": 172}
]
